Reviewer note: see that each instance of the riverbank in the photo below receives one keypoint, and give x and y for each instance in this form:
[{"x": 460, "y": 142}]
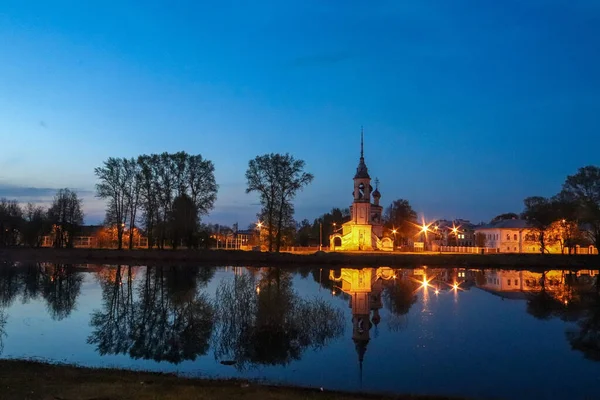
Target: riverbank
[
  {"x": 251, "y": 258},
  {"x": 33, "y": 380}
]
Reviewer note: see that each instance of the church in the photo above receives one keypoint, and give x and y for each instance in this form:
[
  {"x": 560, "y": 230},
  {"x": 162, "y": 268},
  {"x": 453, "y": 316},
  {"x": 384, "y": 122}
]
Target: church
[{"x": 364, "y": 231}]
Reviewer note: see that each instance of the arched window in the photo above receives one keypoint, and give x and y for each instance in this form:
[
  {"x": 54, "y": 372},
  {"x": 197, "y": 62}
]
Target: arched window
[
  {"x": 515, "y": 236},
  {"x": 361, "y": 190}
]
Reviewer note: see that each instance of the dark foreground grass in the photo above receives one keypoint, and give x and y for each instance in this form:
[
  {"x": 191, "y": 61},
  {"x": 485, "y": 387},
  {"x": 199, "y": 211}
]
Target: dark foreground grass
[{"x": 33, "y": 380}]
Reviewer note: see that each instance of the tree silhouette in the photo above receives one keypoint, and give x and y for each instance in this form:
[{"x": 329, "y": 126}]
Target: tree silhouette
[
  {"x": 264, "y": 321},
  {"x": 587, "y": 338},
  {"x": 66, "y": 216},
  {"x": 399, "y": 295},
  {"x": 113, "y": 324},
  {"x": 277, "y": 178},
  {"x": 61, "y": 286},
  {"x": 168, "y": 320},
  {"x": 10, "y": 284},
  {"x": 3, "y": 318},
  {"x": 171, "y": 324}
]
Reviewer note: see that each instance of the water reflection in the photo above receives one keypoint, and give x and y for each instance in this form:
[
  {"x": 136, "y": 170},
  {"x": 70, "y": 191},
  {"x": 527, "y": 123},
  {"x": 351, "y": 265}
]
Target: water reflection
[
  {"x": 245, "y": 321},
  {"x": 58, "y": 285},
  {"x": 262, "y": 320},
  {"x": 567, "y": 295},
  {"x": 169, "y": 320}
]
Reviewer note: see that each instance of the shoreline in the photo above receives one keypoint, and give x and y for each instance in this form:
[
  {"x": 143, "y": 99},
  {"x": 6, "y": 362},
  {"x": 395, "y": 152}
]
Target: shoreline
[
  {"x": 26, "y": 379},
  {"x": 284, "y": 259}
]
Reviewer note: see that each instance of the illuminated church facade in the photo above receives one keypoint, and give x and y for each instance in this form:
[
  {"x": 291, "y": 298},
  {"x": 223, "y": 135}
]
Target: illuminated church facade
[{"x": 364, "y": 231}]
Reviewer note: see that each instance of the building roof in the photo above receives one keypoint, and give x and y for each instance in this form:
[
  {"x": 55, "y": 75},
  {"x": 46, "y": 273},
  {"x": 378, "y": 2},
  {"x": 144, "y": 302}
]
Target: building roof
[
  {"x": 89, "y": 230},
  {"x": 361, "y": 170},
  {"x": 506, "y": 224}
]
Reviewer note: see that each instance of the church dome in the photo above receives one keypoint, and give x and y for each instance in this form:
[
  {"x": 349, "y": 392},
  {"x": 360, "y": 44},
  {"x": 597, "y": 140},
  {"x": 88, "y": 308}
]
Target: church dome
[{"x": 376, "y": 193}]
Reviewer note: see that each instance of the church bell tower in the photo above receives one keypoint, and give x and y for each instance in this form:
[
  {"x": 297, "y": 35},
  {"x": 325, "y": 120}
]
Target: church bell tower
[{"x": 361, "y": 207}]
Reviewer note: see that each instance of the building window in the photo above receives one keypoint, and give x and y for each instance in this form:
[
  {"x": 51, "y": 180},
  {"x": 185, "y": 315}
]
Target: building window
[
  {"x": 508, "y": 282},
  {"x": 515, "y": 249},
  {"x": 515, "y": 236},
  {"x": 516, "y": 282}
]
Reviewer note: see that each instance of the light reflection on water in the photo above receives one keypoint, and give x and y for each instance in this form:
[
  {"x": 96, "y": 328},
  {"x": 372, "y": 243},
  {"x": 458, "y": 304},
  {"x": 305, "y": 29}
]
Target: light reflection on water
[{"x": 476, "y": 333}]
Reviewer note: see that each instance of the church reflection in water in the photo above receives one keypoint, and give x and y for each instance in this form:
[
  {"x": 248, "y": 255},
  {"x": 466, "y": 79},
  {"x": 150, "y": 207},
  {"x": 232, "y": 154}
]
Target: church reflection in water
[{"x": 365, "y": 287}]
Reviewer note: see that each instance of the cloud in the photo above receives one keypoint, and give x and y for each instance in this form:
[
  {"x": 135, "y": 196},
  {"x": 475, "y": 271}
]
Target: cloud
[
  {"x": 33, "y": 194},
  {"x": 319, "y": 60}
]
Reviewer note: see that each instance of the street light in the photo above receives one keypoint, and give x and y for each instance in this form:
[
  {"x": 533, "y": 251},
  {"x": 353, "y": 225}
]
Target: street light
[
  {"x": 334, "y": 224},
  {"x": 259, "y": 225},
  {"x": 320, "y": 236}
]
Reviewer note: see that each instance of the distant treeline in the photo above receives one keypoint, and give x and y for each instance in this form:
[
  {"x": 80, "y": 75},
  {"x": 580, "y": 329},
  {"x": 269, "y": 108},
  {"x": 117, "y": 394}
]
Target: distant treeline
[{"x": 28, "y": 224}]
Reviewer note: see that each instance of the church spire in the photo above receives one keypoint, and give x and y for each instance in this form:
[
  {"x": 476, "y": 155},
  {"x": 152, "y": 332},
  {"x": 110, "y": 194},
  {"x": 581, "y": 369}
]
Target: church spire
[
  {"x": 361, "y": 143},
  {"x": 361, "y": 171}
]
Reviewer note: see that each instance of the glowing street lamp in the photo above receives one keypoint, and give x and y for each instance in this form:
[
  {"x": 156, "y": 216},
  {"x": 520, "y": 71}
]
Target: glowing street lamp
[
  {"x": 259, "y": 225},
  {"x": 334, "y": 224}
]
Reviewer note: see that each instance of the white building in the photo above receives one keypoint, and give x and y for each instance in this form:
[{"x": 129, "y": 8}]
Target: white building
[{"x": 507, "y": 236}]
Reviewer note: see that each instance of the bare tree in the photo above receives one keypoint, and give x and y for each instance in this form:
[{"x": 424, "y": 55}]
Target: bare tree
[
  {"x": 277, "y": 178},
  {"x": 11, "y": 218},
  {"x": 132, "y": 192},
  {"x": 148, "y": 196},
  {"x": 66, "y": 215},
  {"x": 540, "y": 213},
  {"x": 161, "y": 179},
  {"x": 200, "y": 176},
  {"x": 35, "y": 225},
  {"x": 112, "y": 187},
  {"x": 401, "y": 217},
  {"x": 584, "y": 188}
]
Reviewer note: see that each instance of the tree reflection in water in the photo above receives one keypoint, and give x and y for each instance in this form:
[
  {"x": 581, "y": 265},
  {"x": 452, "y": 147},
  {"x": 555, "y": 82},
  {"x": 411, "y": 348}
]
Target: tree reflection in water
[
  {"x": 587, "y": 338},
  {"x": 10, "y": 284},
  {"x": 3, "y": 318},
  {"x": 61, "y": 286},
  {"x": 399, "y": 295},
  {"x": 542, "y": 304},
  {"x": 169, "y": 320},
  {"x": 58, "y": 284},
  {"x": 113, "y": 325},
  {"x": 263, "y": 321}
]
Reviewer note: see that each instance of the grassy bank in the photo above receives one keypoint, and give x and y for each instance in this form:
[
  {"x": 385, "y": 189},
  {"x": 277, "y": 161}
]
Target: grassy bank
[
  {"x": 31, "y": 380},
  {"x": 236, "y": 257}
]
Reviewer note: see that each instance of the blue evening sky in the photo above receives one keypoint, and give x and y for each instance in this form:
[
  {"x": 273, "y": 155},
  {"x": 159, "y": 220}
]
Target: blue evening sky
[{"x": 467, "y": 106}]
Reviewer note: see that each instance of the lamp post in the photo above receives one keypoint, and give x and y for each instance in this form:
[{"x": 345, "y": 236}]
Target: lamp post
[
  {"x": 259, "y": 226},
  {"x": 334, "y": 224},
  {"x": 424, "y": 236},
  {"x": 394, "y": 233},
  {"x": 320, "y": 236}
]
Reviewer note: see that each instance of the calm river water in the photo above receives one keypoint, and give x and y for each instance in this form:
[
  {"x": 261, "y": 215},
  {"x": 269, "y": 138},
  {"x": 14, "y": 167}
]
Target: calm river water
[{"x": 476, "y": 333}]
